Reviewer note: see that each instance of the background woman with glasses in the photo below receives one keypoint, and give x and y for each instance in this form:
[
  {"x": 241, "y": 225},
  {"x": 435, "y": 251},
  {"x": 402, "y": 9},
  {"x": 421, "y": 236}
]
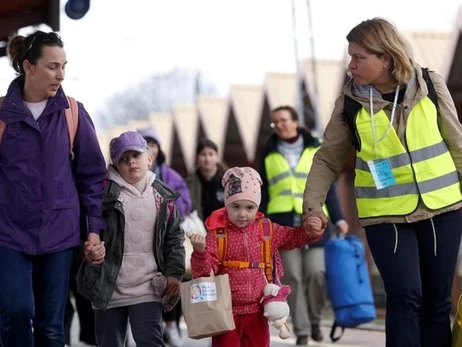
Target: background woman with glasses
[{"x": 286, "y": 161}]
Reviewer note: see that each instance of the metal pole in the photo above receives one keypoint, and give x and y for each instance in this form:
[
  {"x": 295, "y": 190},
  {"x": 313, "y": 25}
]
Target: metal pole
[
  {"x": 314, "y": 99},
  {"x": 299, "y": 100}
]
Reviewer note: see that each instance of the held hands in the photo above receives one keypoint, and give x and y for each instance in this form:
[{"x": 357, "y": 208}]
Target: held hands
[
  {"x": 94, "y": 250},
  {"x": 315, "y": 225},
  {"x": 197, "y": 241}
]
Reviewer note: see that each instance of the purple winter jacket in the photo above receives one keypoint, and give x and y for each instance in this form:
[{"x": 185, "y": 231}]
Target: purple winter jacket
[
  {"x": 174, "y": 180},
  {"x": 39, "y": 186}
]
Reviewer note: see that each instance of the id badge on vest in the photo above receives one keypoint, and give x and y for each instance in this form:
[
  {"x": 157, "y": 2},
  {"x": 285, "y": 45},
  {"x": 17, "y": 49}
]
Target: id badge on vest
[{"x": 381, "y": 173}]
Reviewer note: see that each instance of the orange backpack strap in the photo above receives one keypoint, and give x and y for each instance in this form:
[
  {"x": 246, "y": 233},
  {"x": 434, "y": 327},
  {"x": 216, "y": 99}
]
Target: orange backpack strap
[
  {"x": 222, "y": 238},
  {"x": 266, "y": 229},
  {"x": 2, "y": 124},
  {"x": 72, "y": 119}
]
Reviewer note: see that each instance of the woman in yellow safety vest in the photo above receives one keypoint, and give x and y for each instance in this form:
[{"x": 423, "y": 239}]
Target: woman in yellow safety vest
[
  {"x": 402, "y": 122},
  {"x": 286, "y": 161}
]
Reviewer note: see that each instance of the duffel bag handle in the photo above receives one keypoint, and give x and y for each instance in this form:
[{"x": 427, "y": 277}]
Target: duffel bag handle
[{"x": 332, "y": 332}]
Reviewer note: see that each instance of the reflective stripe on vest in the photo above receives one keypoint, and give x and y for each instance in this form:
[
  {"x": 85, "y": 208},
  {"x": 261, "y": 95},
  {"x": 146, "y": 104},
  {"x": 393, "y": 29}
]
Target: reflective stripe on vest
[
  {"x": 424, "y": 171},
  {"x": 286, "y": 187}
]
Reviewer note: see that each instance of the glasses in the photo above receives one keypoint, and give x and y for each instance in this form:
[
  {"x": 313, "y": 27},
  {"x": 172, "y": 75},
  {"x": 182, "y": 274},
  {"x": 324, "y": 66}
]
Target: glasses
[{"x": 274, "y": 123}]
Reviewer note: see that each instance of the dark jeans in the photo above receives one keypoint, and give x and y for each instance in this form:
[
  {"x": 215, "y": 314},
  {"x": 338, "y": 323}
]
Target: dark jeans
[
  {"x": 145, "y": 321},
  {"x": 84, "y": 310},
  {"x": 417, "y": 263},
  {"x": 33, "y": 293}
]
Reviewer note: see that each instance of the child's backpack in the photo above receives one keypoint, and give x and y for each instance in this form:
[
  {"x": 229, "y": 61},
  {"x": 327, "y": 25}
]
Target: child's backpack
[
  {"x": 348, "y": 284},
  {"x": 72, "y": 120},
  {"x": 266, "y": 230}
]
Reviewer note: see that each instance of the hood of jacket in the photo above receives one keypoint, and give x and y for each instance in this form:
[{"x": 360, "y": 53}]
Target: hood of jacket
[
  {"x": 219, "y": 219},
  {"x": 114, "y": 175}
]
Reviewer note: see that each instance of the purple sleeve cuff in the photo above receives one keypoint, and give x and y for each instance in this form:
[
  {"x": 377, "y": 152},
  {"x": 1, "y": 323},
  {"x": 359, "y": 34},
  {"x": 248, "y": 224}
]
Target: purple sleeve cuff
[{"x": 95, "y": 224}]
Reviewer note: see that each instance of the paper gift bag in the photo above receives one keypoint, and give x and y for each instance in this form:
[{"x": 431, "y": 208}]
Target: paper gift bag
[
  {"x": 457, "y": 328},
  {"x": 207, "y": 308}
]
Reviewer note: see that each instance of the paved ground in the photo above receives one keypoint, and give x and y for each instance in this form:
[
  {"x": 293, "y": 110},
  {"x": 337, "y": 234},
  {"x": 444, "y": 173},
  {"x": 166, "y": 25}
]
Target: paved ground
[{"x": 352, "y": 338}]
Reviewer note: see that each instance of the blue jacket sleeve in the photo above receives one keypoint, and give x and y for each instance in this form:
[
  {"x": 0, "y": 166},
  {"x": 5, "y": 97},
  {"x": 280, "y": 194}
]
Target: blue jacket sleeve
[
  {"x": 89, "y": 170},
  {"x": 333, "y": 204}
]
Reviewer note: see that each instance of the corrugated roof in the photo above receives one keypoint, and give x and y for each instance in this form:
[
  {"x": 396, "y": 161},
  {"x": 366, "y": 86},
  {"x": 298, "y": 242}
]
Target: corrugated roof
[
  {"x": 186, "y": 120},
  {"x": 163, "y": 123},
  {"x": 134, "y": 125},
  {"x": 214, "y": 114},
  {"x": 247, "y": 103},
  {"x": 281, "y": 89},
  {"x": 431, "y": 48},
  {"x": 329, "y": 79}
]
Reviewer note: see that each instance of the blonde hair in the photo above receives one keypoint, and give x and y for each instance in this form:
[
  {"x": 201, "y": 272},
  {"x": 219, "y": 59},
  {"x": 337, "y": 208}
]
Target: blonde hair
[{"x": 379, "y": 36}]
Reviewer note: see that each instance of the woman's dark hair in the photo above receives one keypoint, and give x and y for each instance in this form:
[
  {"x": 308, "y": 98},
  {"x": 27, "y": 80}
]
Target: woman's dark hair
[
  {"x": 30, "y": 47},
  {"x": 206, "y": 143},
  {"x": 293, "y": 112}
]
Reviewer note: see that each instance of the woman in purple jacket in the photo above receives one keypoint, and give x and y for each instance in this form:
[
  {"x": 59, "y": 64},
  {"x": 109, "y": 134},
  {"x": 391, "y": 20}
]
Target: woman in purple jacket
[{"x": 41, "y": 191}]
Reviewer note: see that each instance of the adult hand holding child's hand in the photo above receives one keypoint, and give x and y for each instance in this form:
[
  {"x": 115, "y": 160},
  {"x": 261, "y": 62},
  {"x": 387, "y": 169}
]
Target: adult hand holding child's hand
[
  {"x": 315, "y": 225},
  {"x": 94, "y": 250}
]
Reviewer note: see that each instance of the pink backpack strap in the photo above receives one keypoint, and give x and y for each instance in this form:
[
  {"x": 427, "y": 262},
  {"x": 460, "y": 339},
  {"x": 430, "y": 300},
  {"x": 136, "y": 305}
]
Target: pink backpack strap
[
  {"x": 72, "y": 119},
  {"x": 2, "y": 124}
]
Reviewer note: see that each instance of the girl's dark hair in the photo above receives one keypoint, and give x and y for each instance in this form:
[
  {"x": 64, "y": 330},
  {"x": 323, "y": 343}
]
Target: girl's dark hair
[
  {"x": 30, "y": 47},
  {"x": 206, "y": 143}
]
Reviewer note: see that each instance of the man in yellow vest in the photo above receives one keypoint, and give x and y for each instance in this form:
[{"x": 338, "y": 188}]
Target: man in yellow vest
[{"x": 286, "y": 161}]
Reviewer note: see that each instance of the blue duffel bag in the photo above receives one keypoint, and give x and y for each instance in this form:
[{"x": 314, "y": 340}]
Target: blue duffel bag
[{"x": 348, "y": 284}]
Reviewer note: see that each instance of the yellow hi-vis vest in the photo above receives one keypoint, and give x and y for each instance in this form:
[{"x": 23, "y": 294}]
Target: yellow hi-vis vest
[
  {"x": 286, "y": 187},
  {"x": 425, "y": 170}
]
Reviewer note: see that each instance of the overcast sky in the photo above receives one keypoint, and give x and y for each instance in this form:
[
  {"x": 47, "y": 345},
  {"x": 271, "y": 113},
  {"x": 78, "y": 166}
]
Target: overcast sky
[{"x": 233, "y": 41}]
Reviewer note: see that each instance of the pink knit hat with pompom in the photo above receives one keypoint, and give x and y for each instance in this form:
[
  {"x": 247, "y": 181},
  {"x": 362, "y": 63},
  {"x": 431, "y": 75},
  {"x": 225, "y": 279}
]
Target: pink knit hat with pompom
[{"x": 242, "y": 183}]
